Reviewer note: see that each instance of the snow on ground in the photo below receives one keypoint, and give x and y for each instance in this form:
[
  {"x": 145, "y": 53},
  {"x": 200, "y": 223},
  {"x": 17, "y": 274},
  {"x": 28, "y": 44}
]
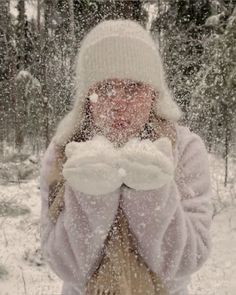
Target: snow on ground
[
  {"x": 20, "y": 243},
  {"x": 28, "y": 274},
  {"x": 217, "y": 276}
]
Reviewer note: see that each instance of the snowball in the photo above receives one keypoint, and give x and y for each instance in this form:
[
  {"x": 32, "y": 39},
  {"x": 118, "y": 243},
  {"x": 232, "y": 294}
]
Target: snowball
[{"x": 93, "y": 97}]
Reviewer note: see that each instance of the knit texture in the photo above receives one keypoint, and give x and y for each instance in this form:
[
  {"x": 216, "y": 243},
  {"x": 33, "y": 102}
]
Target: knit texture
[{"x": 117, "y": 49}]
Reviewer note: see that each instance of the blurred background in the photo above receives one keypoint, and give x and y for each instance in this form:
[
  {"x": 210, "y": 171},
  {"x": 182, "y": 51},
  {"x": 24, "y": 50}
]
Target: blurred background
[{"x": 39, "y": 40}]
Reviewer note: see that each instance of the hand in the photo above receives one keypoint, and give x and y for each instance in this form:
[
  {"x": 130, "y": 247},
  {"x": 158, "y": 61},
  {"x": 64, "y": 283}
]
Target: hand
[
  {"x": 92, "y": 166},
  {"x": 148, "y": 165}
]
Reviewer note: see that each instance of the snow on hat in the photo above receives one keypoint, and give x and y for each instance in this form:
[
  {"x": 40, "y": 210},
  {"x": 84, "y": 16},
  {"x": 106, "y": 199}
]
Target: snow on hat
[{"x": 117, "y": 49}]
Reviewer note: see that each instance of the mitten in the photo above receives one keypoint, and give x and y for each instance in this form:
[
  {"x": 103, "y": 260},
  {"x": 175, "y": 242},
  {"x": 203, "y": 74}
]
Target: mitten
[
  {"x": 148, "y": 165},
  {"x": 92, "y": 166}
]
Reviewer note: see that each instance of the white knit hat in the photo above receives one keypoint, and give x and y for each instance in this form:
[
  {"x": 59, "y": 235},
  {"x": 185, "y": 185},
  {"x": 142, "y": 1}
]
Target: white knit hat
[{"x": 117, "y": 49}]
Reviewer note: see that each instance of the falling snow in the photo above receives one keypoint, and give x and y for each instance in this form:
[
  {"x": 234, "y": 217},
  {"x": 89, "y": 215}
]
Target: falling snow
[{"x": 115, "y": 152}]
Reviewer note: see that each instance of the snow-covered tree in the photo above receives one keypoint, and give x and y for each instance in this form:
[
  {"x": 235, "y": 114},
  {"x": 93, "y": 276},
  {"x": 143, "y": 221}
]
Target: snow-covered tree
[
  {"x": 180, "y": 26},
  {"x": 28, "y": 108},
  {"x": 213, "y": 103},
  {"x": 21, "y": 35}
]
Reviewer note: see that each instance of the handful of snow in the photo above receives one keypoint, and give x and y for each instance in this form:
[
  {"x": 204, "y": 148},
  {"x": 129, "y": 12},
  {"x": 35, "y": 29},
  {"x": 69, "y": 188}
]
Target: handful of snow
[
  {"x": 92, "y": 166},
  {"x": 96, "y": 167},
  {"x": 148, "y": 165}
]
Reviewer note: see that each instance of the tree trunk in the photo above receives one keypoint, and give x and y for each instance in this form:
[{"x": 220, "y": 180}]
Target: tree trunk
[
  {"x": 38, "y": 15},
  {"x": 227, "y": 140},
  {"x": 72, "y": 34},
  {"x": 48, "y": 10},
  {"x": 4, "y": 85},
  {"x": 72, "y": 20}
]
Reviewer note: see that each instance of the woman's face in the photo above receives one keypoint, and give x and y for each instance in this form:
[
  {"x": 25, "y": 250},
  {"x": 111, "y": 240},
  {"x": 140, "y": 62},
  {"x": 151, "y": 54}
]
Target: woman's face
[{"x": 120, "y": 108}]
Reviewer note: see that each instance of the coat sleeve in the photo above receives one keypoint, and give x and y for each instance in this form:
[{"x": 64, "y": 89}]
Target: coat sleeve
[
  {"x": 72, "y": 245},
  {"x": 172, "y": 224}
]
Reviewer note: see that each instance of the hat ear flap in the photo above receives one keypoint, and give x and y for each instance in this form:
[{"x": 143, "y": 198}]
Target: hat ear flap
[
  {"x": 64, "y": 129},
  {"x": 165, "y": 106}
]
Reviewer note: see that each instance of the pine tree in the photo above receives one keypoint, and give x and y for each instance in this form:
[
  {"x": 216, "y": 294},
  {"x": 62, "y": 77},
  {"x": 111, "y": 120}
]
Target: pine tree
[
  {"x": 180, "y": 24},
  {"x": 21, "y": 33},
  {"x": 213, "y": 103}
]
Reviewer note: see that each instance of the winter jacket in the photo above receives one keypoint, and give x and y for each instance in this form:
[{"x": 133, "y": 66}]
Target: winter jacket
[
  {"x": 171, "y": 224},
  {"x": 122, "y": 269}
]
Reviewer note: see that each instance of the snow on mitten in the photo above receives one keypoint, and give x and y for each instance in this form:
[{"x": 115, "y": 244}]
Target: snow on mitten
[
  {"x": 92, "y": 166},
  {"x": 148, "y": 165}
]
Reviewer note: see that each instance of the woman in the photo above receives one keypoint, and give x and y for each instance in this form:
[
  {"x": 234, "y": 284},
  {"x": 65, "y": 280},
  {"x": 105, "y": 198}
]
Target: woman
[{"x": 126, "y": 196}]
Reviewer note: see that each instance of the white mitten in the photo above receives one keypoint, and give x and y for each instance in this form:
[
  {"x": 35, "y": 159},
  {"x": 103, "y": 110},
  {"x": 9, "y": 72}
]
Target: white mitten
[
  {"x": 148, "y": 165},
  {"x": 92, "y": 166}
]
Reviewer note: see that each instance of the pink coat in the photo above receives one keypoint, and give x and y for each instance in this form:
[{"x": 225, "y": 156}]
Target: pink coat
[{"x": 171, "y": 224}]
